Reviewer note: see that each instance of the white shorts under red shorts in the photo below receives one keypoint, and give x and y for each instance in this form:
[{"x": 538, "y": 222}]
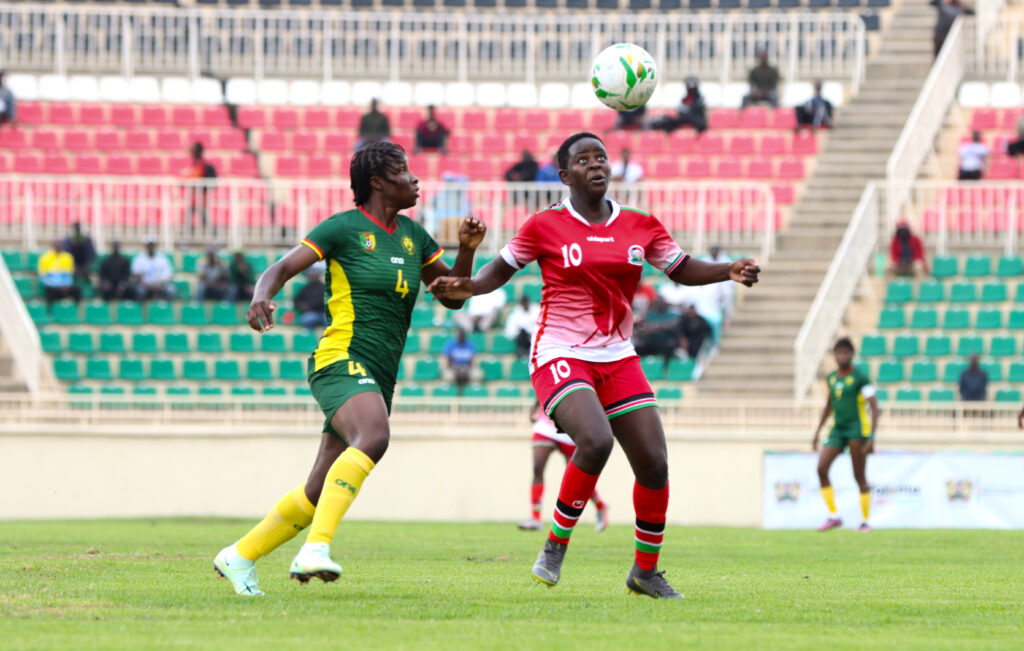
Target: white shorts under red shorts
[
  {"x": 539, "y": 440},
  {"x": 621, "y": 386}
]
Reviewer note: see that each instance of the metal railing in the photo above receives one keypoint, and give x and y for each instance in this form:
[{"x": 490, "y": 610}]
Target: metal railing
[
  {"x": 251, "y": 213},
  {"x": 251, "y": 43},
  {"x": 998, "y": 42},
  {"x": 20, "y": 332}
]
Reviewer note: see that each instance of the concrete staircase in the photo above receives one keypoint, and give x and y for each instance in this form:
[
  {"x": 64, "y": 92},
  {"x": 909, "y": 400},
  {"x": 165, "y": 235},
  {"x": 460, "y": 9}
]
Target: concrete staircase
[
  {"x": 10, "y": 379},
  {"x": 756, "y": 357}
]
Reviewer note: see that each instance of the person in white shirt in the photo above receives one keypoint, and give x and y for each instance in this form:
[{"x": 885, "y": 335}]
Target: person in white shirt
[
  {"x": 725, "y": 290},
  {"x": 481, "y": 311},
  {"x": 625, "y": 170},
  {"x": 521, "y": 323},
  {"x": 152, "y": 274},
  {"x": 973, "y": 158}
]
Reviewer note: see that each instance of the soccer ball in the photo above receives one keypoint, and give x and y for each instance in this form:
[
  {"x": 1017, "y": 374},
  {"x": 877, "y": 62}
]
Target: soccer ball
[{"x": 624, "y": 76}]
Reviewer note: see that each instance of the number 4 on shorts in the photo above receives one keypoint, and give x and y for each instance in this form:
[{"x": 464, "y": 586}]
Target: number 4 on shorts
[{"x": 355, "y": 368}]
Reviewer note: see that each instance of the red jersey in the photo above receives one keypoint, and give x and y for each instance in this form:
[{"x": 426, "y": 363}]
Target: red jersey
[{"x": 590, "y": 272}]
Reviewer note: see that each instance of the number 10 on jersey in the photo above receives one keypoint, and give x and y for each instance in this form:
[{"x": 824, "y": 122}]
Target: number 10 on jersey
[{"x": 572, "y": 255}]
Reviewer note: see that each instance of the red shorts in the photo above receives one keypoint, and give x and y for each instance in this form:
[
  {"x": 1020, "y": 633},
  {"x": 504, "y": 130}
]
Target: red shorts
[
  {"x": 621, "y": 386},
  {"x": 539, "y": 440}
]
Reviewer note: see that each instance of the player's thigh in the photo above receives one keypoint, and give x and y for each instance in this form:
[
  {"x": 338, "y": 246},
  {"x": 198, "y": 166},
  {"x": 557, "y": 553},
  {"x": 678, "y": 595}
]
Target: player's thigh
[
  {"x": 828, "y": 455},
  {"x": 642, "y": 437},
  {"x": 581, "y": 416},
  {"x": 859, "y": 457},
  {"x": 362, "y": 420}
]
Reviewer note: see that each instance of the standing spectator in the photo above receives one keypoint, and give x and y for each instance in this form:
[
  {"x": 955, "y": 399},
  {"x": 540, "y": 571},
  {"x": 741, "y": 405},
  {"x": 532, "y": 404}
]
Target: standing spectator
[
  {"x": 764, "y": 83},
  {"x": 431, "y": 134},
  {"x": 481, "y": 311},
  {"x": 973, "y": 158},
  {"x": 725, "y": 290},
  {"x": 521, "y": 324},
  {"x": 658, "y": 333},
  {"x": 309, "y": 302},
  {"x": 241, "y": 278},
  {"x": 1016, "y": 148},
  {"x": 630, "y": 120},
  {"x": 213, "y": 278},
  {"x": 8, "y": 112},
  {"x": 692, "y": 111},
  {"x": 625, "y": 170},
  {"x": 56, "y": 270},
  {"x": 152, "y": 273},
  {"x": 116, "y": 275},
  {"x": 906, "y": 250},
  {"x": 81, "y": 248},
  {"x": 949, "y": 11},
  {"x": 460, "y": 353},
  {"x": 815, "y": 112},
  {"x": 695, "y": 330},
  {"x": 373, "y": 126},
  {"x": 200, "y": 171},
  {"x": 973, "y": 381},
  {"x": 525, "y": 170}
]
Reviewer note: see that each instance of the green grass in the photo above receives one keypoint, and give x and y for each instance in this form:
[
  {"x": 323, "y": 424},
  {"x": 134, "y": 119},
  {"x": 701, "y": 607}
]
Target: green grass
[{"x": 149, "y": 583}]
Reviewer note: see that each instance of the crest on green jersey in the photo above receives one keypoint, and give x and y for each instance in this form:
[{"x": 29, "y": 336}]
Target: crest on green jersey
[
  {"x": 368, "y": 241},
  {"x": 408, "y": 245}
]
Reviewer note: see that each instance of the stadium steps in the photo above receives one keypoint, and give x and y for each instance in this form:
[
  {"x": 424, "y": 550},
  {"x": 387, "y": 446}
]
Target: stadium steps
[
  {"x": 855, "y": 153},
  {"x": 10, "y": 381}
]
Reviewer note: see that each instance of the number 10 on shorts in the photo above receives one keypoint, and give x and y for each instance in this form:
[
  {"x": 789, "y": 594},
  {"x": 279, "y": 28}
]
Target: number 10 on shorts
[{"x": 560, "y": 370}]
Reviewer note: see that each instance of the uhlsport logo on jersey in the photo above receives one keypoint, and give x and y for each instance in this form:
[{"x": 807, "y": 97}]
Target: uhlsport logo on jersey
[
  {"x": 408, "y": 245},
  {"x": 636, "y": 255},
  {"x": 368, "y": 241}
]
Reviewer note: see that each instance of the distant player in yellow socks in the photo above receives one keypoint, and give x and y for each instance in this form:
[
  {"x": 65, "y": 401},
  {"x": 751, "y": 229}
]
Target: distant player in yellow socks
[
  {"x": 849, "y": 389},
  {"x": 376, "y": 259}
]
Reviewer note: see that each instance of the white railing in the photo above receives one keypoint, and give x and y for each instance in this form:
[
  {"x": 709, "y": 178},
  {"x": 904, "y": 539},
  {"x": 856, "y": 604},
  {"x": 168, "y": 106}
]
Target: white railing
[
  {"x": 20, "y": 332},
  {"x": 998, "y": 40},
  {"x": 240, "y": 212},
  {"x": 844, "y": 274},
  {"x": 986, "y": 18},
  {"x": 922, "y": 127},
  {"x": 191, "y": 42}
]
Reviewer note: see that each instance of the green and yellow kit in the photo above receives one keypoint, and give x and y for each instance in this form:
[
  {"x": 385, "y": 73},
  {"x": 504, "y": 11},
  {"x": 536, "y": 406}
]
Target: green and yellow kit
[{"x": 848, "y": 395}]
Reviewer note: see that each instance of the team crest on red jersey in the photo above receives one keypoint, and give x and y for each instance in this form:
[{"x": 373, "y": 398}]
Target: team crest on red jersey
[{"x": 636, "y": 254}]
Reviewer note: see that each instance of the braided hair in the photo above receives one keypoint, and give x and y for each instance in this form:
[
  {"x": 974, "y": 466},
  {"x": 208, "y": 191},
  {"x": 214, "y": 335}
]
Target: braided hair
[
  {"x": 375, "y": 159},
  {"x": 844, "y": 344},
  {"x": 563, "y": 149}
]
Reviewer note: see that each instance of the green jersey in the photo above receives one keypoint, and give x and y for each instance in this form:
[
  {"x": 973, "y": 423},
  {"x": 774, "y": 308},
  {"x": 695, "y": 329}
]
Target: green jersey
[
  {"x": 847, "y": 396},
  {"x": 372, "y": 281}
]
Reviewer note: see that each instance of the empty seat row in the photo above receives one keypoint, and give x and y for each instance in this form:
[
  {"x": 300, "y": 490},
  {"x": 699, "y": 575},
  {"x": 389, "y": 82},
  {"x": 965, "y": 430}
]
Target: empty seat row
[
  {"x": 976, "y": 266},
  {"x": 69, "y": 369},
  {"x": 178, "y": 343},
  {"x": 162, "y": 164},
  {"x": 122, "y": 115},
  {"x": 927, "y": 318},
  {"x": 942, "y": 395},
  {"x": 909, "y": 345},
  {"x": 958, "y": 292},
  {"x": 925, "y": 370},
  {"x": 130, "y": 313},
  {"x": 106, "y": 139}
]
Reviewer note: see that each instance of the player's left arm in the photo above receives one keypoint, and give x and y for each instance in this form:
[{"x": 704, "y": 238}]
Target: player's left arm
[
  {"x": 873, "y": 403},
  {"x": 702, "y": 272},
  {"x": 471, "y": 234}
]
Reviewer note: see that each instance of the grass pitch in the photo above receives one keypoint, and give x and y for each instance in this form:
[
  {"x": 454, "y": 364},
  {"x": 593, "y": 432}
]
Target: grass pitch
[{"x": 149, "y": 583}]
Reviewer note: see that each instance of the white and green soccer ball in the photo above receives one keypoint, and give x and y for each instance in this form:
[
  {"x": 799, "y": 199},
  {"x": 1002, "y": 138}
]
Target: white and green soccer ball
[{"x": 624, "y": 76}]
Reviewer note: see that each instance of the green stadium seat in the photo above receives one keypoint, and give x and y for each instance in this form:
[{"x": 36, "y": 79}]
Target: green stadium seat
[
  {"x": 945, "y": 266},
  {"x": 130, "y": 370},
  {"x": 65, "y": 313},
  {"x": 412, "y": 391},
  {"x": 1008, "y": 395},
  {"x": 1003, "y": 346},
  {"x": 437, "y": 342},
  {"x": 144, "y": 343},
  {"x": 923, "y": 371},
  {"x": 97, "y": 314},
  {"x": 272, "y": 342},
  {"x": 163, "y": 370},
  {"x": 1016, "y": 374},
  {"x": 258, "y": 370},
  {"x": 14, "y": 261},
  {"x": 989, "y": 319},
  {"x": 1018, "y": 294},
  {"x": 502, "y": 345},
  {"x": 941, "y": 395},
  {"x": 653, "y": 367},
  {"x": 899, "y": 291},
  {"x": 669, "y": 393},
  {"x": 962, "y": 293},
  {"x": 1009, "y": 266},
  {"x": 258, "y": 262},
  {"x": 508, "y": 391},
  {"x": 873, "y": 346},
  {"x": 532, "y": 291},
  {"x": 304, "y": 342},
  {"x": 182, "y": 290},
  {"x": 891, "y": 318},
  {"x": 50, "y": 342},
  {"x": 931, "y": 291},
  {"x": 476, "y": 392},
  {"x": 955, "y": 319},
  {"x": 412, "y": 344},
  {"x": 882, "y": 395},
  {"x": 1016, "y": 320},
  {"x": 969, "y": 345},
  {"x": 994, "y": 292},
  {"x": 161, "y": 313},
  {"x": 177, "y": 343},
  {"x": 890, "y": 371},
  {"x": 292, "y": 370},
  {"x": 905, "y": 346},
  {"x": 303, "y": 390},
  {"x": 81, "y": 343},
  {"x": 80, "y": 390},
  {"x": 422, "y": 317},
  {"x": 953, "y": 369},
  {"x": 113, "y": 391},
  {"x": 66, "y": 369},
  {"x": 274, "y": 391},
  {"x": 923, "y": 318},
  {"x": 32, "y": 260},
  {"x": 427, "y": 369},
  {"x": 98, "y": 369},
  {"x": 908, "y": 395},
  {"x": 226, "y": 370},
  {"x": 479, "y": 341},
  {"x": 243, "y": 391},
  {"x": 241, "y": 342},
  {"x": 194, "y": 314},
  {"x": 225, "y": 314},
  {"x": 679, "y": 370},
  {"x": 174, "y": 393},
  {"x": 938, "y": 346},
  {"x": 977, "y": 266},
  {"x": 444, "y": 391},
  {"x": 195, "y": 370},
  {"x": 129, "y": 313},
  {"x": 519, "y": 371},
  {"x": 190, "y": 263},
  {"x": 210, "y": 342},
  {"x": 209, "y": 396},
  {"x": 492, "y": 369},
  {"x": 993, "y": 369},
  {"x": 40, "y": 315},
  {"x": 144, "y": 390},
  {"x": 26, "y": 287}
]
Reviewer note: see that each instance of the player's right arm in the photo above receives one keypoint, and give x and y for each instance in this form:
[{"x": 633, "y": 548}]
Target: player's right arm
[
  {"x": 491, "y": 276},
  {"x": 260, "y": 314},
  {"x": 824, "y": 416}
]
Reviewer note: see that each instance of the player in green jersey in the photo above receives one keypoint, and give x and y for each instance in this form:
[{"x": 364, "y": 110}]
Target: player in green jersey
[
  {"x": 849, "y": 390},
  {"x": 376, "y": 259}
]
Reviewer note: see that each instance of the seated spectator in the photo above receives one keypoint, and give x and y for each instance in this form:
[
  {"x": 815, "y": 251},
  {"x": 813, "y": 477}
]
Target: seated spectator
[
  {"x": 630, "y": 120},
  {"x": 56, "y": 270},
  {"x": 658, "y": 334},
  {"x": 213, "y": 278},
  {"x": 548, "y": 172},
  {"x": 460, "y": 353},
  {"x": 481, "y": 311},
  {"x": 625, "y": 170},
  {"x": 81, "y": 248},
  {"x": 431, "y": 134},
  {"x": 905, "y": 251},
  {"x": 973, "y": 158},
  {"x": 521, "y": 324},
  {"x": 200, "y": 171},
  {"x": 373, "y": 126},
  {"x": 1016, "y": 147},
  {"x": 116, "y": 275},
  {"x": 524, "y": 170},
  {"x": 152, "y": 273},
  {"x": 764, "y": 83},
  {"x": 973, "y": 381},
  {"x": 692, "y": 111},
  {"x": 309, "y": 302},
  {"x": 816, "y": 112},
  {"x": 241, "y": 278},
  {"x": 695, "y": 331},
  {"x": 8, "y": 112}
]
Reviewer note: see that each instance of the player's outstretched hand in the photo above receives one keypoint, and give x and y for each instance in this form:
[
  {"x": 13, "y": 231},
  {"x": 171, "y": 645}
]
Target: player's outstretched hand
[
  {"x": 472, "y": 232},
  {"x": 744, "y": 271},
  {"x": 260, "y": 315},
  {"x": 455, "y": 288}
]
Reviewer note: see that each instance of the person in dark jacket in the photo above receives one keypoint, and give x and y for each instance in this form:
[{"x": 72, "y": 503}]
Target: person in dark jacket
[
  {"x": 116, "y": 275},
  {"x": 973, "y": 381},
  {"x": 691, "y": 112}
]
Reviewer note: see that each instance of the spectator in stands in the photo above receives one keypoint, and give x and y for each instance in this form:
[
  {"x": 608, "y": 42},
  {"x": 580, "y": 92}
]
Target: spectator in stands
[
  {"x": 973, "y": 158},
  {"x": 373, "y": 126},
  {"x": 8, "y": 105},
  {"x": 626, "y": 170},
  {"x": 56, "y": 270},
  {"x": 973, "y": 381},
  {"x": 525, "y": 170},
  {"x": 764, "y": 83},
  {"x": 460, "y": 353},
  {"x": 906, "y": 251},
  {"x": 309, "y": 302},
  {"x": 214, "y": 283},
  {"x": 815, "y": 112},
  {"x": 548, "y": 172},
  {"x": 521, "y": 323},
  {"x": 692, "y": 111},
  {"x": 241, "y": 278},
  {"x": 659, "y": 332},
  {"x": 81, "y": 248},
  {"x": 116, "y": 275},
  {"x": 695, "y": 331},
  {"x": 481, "y": 311},
  {"x": 725, "y": 290},
  {"x": 152, "y": 274},
  {"x": 1016, "y": 148},
  {"x": 630, "y": 120},
  {"x": 201, "y": 171},
  {"x": 949, "y": 11},
  {"x": 431, "y": 134}
]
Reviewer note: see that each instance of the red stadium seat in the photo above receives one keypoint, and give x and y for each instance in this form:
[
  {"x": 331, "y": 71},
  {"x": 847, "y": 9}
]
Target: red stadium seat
[
  {"x": 139, "y": 140},
  {"x": 665, "y": 168},
  {"x": 569, "y": 120},
  {"x": 616, "y": 141},
  {"x": 493, "y": 144},
  {"x": 481, "y": 169},
  {"x": 408, "y": 118},
  {"x": 179, "y": 163},
  {"x": 403, "y": 140},
  {"x": 983, "y": 119},
  {"x": 229, "y": 138},
  {"x": 723, "y": 119},
  {"x": 61, "y": 113},
  {"x": 506, "y": 119},
  {"x": 537, "y": 120},
  {"x": 109, "y": 140},
  {"x": 28, "y": 163},
  {"x": 119, "y": 164},
  {"x": 784, "y": 118},
  {"x": 203, "y": 136},
  {"x": 31, "y": 113},
  {"x": 1002, "y": 169},
  {"x": 754, "y": 117},
  {"x": 1008, "y": 119},
  {"x": 729, "y": 168},
  {"x": 791, "y": 169},
  {"x": 451, "y": 165},
  {"x": 77, "y": 140},
  {"x": 169, "y": 140},
  {"x": 284, "y": 118},
  {"x": 316, "y": 118},
  {"x": 87, "y": 164},
  {"x": 741, "y": 145},
  {"x": 319, "y": 166},
  {"x": 151, "y": 165},
  {"x": 338, "y": 142},
  {"x": 184, "y": 116},
  {"x": 549, "y": 145},
  {"x": 527, "y": 141},
  {"x": 154, "y": 115},
  {"x": 242, "y": 165},
  {"x": 252, "y": 117},
  {"x": 422, "y": 165},
  {"x": 805, "y": 144},
  {"x": 601, "y": 120},
  {"x": 44, "y": 139},
  {"x": 55, "y": 163},
  {"x": 272, "y": 141},
  {"x": 698, "y": 168},
  {"x": 773, "y": 146},
  {"x": 681, "y": 143},
  {"x": 287, "y": 166},
  {"x": 123, "y": 115},
  {"x": 305, "y": 141},
  {"x": 783, "y": 193},
  {"x": 461, "y": 143},
  {"x": 445, "y": 117},
  {"x": 92, "y": 114},
  {"x": 650, "y": 143},
  {"x": 760, "y": 168},
  {"x": 347, "y": 117},
  {"x": 710, "y": 144},
  {"x": 13, "y": 139},
  {"x": 215, "y": 116},
  {"x": 475, "y": 120}
]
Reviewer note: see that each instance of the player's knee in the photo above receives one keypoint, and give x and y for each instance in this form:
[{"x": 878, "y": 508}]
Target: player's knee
[
  {"x": 596, "y": 448},
  {"x": 373, "y": 442}
]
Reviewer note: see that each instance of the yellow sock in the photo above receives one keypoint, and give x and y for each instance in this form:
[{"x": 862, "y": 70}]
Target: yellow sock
[
  {"x": 829, "y": 494},
  {"x": 340, "y": 487},
  {"x": 865, "y": 505},
  {"x": 290, "y": 515}
]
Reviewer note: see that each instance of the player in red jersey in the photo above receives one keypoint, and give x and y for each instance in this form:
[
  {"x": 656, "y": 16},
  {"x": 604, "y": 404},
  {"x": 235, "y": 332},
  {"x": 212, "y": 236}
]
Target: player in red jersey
[{"x": 583, "y": 367}]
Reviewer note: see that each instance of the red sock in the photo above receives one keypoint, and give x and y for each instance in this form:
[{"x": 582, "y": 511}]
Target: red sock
[
  {"x": 650, "y": 505},
  {"x": 577, "y": 487},
  {"x": 598, "y": 502},
  {"x": 536, "y": 494}
]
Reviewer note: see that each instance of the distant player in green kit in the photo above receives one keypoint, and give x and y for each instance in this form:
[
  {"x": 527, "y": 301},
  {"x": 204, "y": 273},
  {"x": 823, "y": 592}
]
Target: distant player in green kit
[
  {"x": 376, "y": 259},
  {"x": 849, "y": 389}
]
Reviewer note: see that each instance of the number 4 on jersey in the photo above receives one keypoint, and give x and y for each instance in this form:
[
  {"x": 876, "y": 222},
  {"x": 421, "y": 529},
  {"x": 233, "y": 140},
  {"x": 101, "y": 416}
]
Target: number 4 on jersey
[{"x": 402, "y": 286}]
